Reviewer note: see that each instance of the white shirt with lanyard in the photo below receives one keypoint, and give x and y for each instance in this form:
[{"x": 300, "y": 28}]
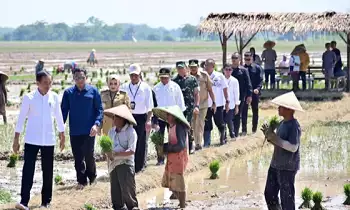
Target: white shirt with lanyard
[{"x": 141, "y": 100}]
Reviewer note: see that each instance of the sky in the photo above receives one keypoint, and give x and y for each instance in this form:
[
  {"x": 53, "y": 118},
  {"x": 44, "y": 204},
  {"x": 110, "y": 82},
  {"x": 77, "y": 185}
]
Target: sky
[{"x": 155, "y": 13}]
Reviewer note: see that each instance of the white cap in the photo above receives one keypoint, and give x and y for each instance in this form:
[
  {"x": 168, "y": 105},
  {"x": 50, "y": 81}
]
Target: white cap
[
  {"x": 135, "y": 69},
  {"x": 42, "y": 60},
  {"x": 93, "y": 50}
]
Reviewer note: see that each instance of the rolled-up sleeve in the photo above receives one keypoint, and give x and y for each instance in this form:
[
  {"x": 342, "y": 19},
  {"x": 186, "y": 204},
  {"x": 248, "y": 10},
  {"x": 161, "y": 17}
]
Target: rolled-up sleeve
[
  {"x": 23, "y": 113},
  {"x": 58, "y": 116}
]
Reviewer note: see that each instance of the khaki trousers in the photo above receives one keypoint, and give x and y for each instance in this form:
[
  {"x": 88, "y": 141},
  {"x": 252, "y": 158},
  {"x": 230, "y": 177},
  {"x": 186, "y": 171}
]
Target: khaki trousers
[{"x": 198, "y": 125}]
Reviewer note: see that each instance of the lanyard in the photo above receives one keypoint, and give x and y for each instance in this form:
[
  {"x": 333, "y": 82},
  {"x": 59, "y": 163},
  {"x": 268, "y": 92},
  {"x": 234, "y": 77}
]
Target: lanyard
[{"x": 134, "y": 95}]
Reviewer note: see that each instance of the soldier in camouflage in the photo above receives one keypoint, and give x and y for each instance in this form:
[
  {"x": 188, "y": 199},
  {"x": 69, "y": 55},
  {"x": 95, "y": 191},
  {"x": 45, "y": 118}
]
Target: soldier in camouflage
[
  {"x": 112, "y": 97},
  {"x": 190, "y": 91}
]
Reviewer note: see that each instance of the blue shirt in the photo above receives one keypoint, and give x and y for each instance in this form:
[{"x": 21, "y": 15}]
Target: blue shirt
[{"x": 84, "y": 108}]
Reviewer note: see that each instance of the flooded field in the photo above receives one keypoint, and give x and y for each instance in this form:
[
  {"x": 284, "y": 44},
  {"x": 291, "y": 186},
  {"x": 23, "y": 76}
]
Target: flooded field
[{"x": 325, "y": 167}]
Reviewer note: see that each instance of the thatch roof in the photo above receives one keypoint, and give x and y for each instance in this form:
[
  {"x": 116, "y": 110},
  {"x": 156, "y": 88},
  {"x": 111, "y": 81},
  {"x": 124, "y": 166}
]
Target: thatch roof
[{"x": 299, "y": 23}]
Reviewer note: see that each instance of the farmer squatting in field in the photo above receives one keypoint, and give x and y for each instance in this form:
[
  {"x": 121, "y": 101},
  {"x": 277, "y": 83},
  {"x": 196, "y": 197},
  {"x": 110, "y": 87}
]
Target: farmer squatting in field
[{"x": 42, "y": 108}]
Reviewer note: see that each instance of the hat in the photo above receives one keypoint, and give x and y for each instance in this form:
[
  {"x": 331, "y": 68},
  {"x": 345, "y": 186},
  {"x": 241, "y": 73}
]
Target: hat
[
  {"x": 269, "y": 44},
  {"x": 112, "y": 76},
  {"x": 41, "y": 60},
  {"x": 93, "y": 50},
  {"x": 164, "y": 72},
  {"x": 135, "y": 69},
  {"x": 121, "y": 111},
  {"x": 162, "y": 112},
  {"x": 3, "y": 76},
  {"x": 288, "y": 100},
  {"x": 193, "y": 62},
  {"x": 300, "y": 47},
  {"x": 180, "y": 64}
]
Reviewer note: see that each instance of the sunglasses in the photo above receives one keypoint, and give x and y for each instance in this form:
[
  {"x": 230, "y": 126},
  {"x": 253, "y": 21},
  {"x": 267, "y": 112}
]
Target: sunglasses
[
  {"x": 234, "y": 58},
  {"x": 79, "y": 77},
  {"x": 247, "y": 59},
  {"x": 228, "y": 69}
]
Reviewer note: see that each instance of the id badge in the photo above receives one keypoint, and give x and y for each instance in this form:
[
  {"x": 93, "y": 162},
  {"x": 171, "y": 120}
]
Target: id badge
[{"x": 132, "y": 105}]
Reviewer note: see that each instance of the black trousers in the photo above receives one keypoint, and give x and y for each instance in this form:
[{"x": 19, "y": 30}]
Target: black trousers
[
  {"x": 83, "y": 148},
  {"x": 270, "y": 74},
  {"x": 219, "y": 122},
  {"x": 123, "y": 187},
  {"x": 30, "y": 155},
  {"x": 281, "y": 181},
  {"x": 255, "y": 109},
  {"x": 237, "y": 118},
  {"x": 141, "y": 145},
  {"x": 302, "y": 76}
]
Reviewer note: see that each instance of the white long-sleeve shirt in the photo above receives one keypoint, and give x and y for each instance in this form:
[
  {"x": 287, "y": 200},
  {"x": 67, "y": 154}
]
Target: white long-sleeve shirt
[
  {"x": 169, "y": 95},
  {"x": 41, "y": 111},
  {"x": 219, "y": 84},
  {"x": 141, "y": 95},
  {"x": 233, "y": 91}
]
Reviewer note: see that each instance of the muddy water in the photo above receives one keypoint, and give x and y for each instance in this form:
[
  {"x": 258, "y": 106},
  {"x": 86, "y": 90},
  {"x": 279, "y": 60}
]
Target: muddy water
[{"x": 324, "y": 167}]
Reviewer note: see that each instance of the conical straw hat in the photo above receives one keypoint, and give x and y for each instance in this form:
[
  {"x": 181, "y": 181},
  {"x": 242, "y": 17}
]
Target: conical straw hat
[
  {"x": 288, "y": 100},
  {"x": 121, "y": 111},
  {"x": 162, "y": 112},
  {"x": 3, "y": 76},
  {"x": 269, "y": 44}
]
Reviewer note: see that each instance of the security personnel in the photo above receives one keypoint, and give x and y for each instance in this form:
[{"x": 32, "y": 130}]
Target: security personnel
[
  {"x": 205, "y": 89},
  {"x": 245, "y": 89},
  {"x": 190, "y": 92},
  {"x": 112, "y": 97},
  {"x": 255, "y": 75}
]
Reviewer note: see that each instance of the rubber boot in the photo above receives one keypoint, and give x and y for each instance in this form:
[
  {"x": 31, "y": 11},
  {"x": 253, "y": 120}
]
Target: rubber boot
[
  {"x": 5, "y": 119},
  {"x": 274, "y": 207},
  {"x": 222, "y": 137},
  {"x": 207, "y": 138}
]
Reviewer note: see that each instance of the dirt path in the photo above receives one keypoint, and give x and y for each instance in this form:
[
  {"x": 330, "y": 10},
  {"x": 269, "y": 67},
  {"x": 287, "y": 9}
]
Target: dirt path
[{"x": 98, "y": 195}]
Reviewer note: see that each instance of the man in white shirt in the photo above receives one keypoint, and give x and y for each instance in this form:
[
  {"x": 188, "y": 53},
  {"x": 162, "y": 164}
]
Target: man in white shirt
[
  {"x": 233, "y": 95},
  {"x": 42, "y": 108},
  {"x": 141, "y": 104},
  {"x": 168, "y": 93},
  {"x": 222, "y": 104}
]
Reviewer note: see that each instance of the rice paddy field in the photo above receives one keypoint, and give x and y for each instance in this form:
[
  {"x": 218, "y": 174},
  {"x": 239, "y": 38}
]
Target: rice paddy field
[{"x": 18, "y": 60}]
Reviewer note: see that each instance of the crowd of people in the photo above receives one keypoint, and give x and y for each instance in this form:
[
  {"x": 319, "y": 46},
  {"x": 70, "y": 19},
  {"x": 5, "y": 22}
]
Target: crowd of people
[{"x": 185, "y": 105}]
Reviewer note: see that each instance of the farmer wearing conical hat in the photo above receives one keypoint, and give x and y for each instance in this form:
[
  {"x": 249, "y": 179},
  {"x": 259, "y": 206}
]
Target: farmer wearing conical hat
[
  {"x": 286, "y": 157},
  {"x": 205, "y": 90},
  {"x": 92, "y": 58},
  {"x": 168, "y": 93},
  {"x": 190, "y": 91},
  {"x": 121, "y": 163},
  {"x": 112, "y": 97},
  {"x": 176, "y": 148},
  {"x": 3, "y": 95},
  {"x": 269, "y": 57}
]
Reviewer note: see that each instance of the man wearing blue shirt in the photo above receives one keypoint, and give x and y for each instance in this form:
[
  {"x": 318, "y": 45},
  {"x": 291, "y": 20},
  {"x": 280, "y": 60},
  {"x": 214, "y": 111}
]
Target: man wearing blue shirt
[{"x": 84, "y": 105}]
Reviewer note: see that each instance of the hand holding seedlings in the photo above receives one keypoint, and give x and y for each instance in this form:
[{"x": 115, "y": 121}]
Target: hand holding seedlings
[
  {"x": 269, "y": 128},
  {"x": 106, "y": 145}
]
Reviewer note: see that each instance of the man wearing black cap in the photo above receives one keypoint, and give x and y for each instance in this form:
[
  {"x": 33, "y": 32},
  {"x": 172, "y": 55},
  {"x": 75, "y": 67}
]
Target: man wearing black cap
[
  {"x": 245, "y": 89},
  {"x": 255, "y": 75},
  {"x": 205, "y": 90},
  {"x": 168, "y": 93},
  {"x": 189, "y": 87}
]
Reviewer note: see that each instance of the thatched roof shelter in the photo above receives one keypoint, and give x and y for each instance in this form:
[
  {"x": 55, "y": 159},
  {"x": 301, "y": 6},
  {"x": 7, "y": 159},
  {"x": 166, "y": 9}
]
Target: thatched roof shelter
[{"x": 249, "y": 24}]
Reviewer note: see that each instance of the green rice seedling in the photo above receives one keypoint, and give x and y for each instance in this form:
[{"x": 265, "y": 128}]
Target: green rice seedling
[
  {"x": 89, "y": 206},
  {"x": 15, "y": 73},
  {"x": 144, "y": 74},
  {"x": 5, "y": 197},
  {"x": 10, "y": 68},
  {"x": 317, "y": 199},
  {"x": 214, "y": 167},
  {"x": 13, "y": 160},
  {"x": 101, "y": 72},
  {"x": 124, "y": 71},
  {"x": 347, "y": 194},
  {"x": 306, "y": 195},
  {"x": 94, "y": 74},
  {"x": 106, "y": 144},
  {"x": 21, "y": 93},
  {"x": 28, "y": 86},
  {"x": 107, "y": 73},
  {"x": 65, "y": 77},
  {"x": 99, "y": 84},
  {"x": 157, "y": 138},
  {"x": 55, "y": 90},
  {"x": 119, "y": 72},
  {"x": 273, "y": 124},
  {"x": 63, "y": 87},
  {"x": 22, "y": 69},
  {"x": 62, "y": 82},
  {"x": 58, "y": 180}
]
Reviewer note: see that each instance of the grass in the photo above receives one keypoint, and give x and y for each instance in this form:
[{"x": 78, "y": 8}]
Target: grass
[
  {"x": 5, "y": 197},
  {"x": 147, "y": 46}
]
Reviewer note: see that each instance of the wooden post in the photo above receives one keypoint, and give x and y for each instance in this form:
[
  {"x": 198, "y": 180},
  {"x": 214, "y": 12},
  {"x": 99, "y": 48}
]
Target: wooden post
[
  {"x": 348, "y": 62},
  {"x": 224, "y": 48}
]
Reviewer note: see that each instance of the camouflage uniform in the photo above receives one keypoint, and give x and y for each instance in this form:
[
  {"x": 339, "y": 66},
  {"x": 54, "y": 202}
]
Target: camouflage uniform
[
  {"x": 187, "y": 85},
  {"x": 108, "y": 101}
]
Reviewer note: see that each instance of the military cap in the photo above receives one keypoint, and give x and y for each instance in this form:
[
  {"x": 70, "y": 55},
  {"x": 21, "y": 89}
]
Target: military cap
[
  {"x": 193, "y": 62},
  {"x": 164, "y": 72},
  {"x": 180, "y": 64}
]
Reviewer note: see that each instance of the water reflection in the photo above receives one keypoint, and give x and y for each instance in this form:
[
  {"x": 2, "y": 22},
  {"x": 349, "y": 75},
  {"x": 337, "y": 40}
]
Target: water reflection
[{"x": 324, "y": 167}]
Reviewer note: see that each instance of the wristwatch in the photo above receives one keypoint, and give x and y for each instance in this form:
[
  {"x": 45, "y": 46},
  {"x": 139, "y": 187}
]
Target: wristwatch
[
  {"x": 214, "y": 102},
  {"x": 196, "y": 106}
]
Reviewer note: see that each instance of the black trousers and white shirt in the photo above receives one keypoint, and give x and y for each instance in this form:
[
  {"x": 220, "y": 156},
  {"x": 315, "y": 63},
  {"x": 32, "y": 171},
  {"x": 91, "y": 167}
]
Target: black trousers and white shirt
[{"x": 41, "y": 111}]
